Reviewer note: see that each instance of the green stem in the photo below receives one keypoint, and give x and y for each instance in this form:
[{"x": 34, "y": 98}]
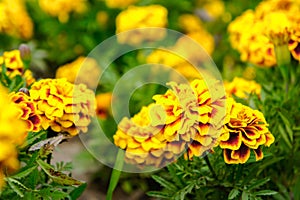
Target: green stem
[
  {"x": 115, "y": 175},
  {"x": 210, "y": 167}
]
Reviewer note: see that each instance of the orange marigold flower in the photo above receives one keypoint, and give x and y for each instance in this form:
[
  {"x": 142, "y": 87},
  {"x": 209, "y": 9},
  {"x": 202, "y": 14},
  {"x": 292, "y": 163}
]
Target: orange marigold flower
[
  {"x": 185, "y": 117},
  {"x": 83, "y": 70},
  {"x": 244, "y": 130},
  {"x": 103, "y": 104},
  {"x": 15, "y": 66},
  {"x": 63, "y": 106},
  {"x": 12, "y": 133},
  {"x": 242, "y": 88},
  {"x": 29, "y": 111}
]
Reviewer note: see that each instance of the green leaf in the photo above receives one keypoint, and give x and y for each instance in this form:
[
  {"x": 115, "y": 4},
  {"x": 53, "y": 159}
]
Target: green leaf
[
  {"x": 245, "y": 195},
  {"x": 284, "y": 135},
  {"x": 24, "y": 173},
  {"x": 233, "y": 193},
  {"x": 115, "y": 175},
  {"x": 164, "y": 183},
  {"x": 258, "y": 183},
  {"x": 15, "y": 188},
  {"x": 162, "y": 195},
  {"x": 53, "y": 194},
  {"x": 56, "y": 176},
  {"x": 32, "y": 137},
  {"x": 287, "y": 126},
  {"x": 265, "y": 193},
  {"x": 76, "y": 193}
]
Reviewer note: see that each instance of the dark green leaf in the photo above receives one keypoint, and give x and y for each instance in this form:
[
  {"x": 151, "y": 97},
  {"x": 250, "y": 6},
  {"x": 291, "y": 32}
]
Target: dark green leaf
[
  {"x": 284, "y": 135},
  {"x": 75, "y": 194},
  {"x": 15, "y": 188},
  {"x": 233, "y": 193},
  {"x": 24, "y": 173},
  {"x": 161, "y": 195},
  {"x": 164, "y": 183},
  {"x": 258, "y": 183}
]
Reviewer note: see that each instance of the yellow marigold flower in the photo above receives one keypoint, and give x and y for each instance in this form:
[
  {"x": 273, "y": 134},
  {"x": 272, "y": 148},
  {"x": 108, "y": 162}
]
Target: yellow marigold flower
[
  {"x": 29, "y": 111},
  {"x": 62, "y": 8},
  {"x": 273, "y": 22},
  {"x": 193, "y": 28},
  {"x": 15, "y": 66},
  {"x": 12, "y": 133},
  {"x": 242, "y": 88},
  {"x": 185, "y": 117},
  {"x": 135, "y": 17},
  {"x": 245, "y": 129},
  {"x": 103, "y": 105},
  {"x": 14, "y": 19},
  {"x": 213, "y": 9},
  {"x": 83, "y": 70},
  {"x": 119, "y": 3},
  {"x": 63, "y": 106}
]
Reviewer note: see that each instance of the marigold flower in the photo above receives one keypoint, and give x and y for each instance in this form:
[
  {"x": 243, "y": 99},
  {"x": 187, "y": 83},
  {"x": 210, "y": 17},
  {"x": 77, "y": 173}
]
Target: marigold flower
[
  {"x": 29, "y": 111},
  {"x": 103, "y": 104},
  {"x": 119, "y": 3},
  {"x": 64, "y": 107},
  {"x": 135, "y": 17},
  {"x": 14, "y": 19},
  {"x": 255, "y": 33},
  {"x": 62, "y": 8},
  {"x": 244, "y": 130},
  {"x": 12, "y": 133},
  {"x": 83, "y": 70},
  {"x": 15, "y": 66},
  {"x": 242, "y": 88},
  {"x": 185, "y": 117}
]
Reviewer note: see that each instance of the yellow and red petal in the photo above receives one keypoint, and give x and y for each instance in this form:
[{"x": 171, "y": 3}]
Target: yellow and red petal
[
  {"x": 234, "y": 142},
  {"x": 258, "y": 154}
]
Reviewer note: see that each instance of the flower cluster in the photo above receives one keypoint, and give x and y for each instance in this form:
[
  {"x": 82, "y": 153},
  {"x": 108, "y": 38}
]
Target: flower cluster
[
  {"x": 29, "y": 110},
  {"x": 64, "y": 107},
  {"x": 15, "y": 66},
  {"x": 135, "y": 17},
  {"x": 245, "y": 129},
  {"x": 62, "y": 8},
  {"x": 83, "y": 70},
  {"x": 14, "y": 19},
  {"x": 242, "y": 88},
  {"x": 185, "y": 117},
  {"x": 12, "y": 133},
  {"x": 255, "y": 33}
]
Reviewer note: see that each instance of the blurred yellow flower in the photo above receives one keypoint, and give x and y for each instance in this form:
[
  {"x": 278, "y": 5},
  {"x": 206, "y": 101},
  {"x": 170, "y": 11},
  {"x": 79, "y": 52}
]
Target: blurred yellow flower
[
  {"x": 64, "y": 107},
  {"x": 244, "y": 130},
  {"x": 15, "y": 66},
  {"x": 119, "y": 3},
  {"x": 63, "y": 8},
  {"x": 83, "y": 70},
  {"x": 242, "y": 88},
  {"x": 14, "y": 19},
  {"x": 193, "y": 28},
  {"x": 12, "y": 133},
  {"x": 185, "y": 117},
  {"x": 103, "y": 105},
  {"x": 28, "y": 111},
  {"x": 135, "y": 17}
]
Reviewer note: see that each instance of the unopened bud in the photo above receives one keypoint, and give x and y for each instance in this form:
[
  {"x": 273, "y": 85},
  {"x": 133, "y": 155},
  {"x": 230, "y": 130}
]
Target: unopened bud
[{"x": 25, "y": 52}]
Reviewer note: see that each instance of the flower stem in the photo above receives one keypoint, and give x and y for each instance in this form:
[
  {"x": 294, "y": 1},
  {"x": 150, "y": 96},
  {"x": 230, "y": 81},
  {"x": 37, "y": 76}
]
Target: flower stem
[{"x": 210, "y": 167}]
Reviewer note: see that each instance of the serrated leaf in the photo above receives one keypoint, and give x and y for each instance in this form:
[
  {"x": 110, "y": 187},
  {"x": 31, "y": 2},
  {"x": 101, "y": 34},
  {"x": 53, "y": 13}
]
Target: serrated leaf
[
  {"x": 233, "y": 193},
  {"x": 265, "y": 193},
  {"x": 32, "y": 137},
  {"x": 76, "y": 193},
  {"x": 15, "y": 188},
  {"x": 162, "y": 195},
  {"x": 56, "y": 176},
  {"x": 164, "y": 183},
  {"x": 258, "y": 183},
  {"x": 24, "y": 173}
]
